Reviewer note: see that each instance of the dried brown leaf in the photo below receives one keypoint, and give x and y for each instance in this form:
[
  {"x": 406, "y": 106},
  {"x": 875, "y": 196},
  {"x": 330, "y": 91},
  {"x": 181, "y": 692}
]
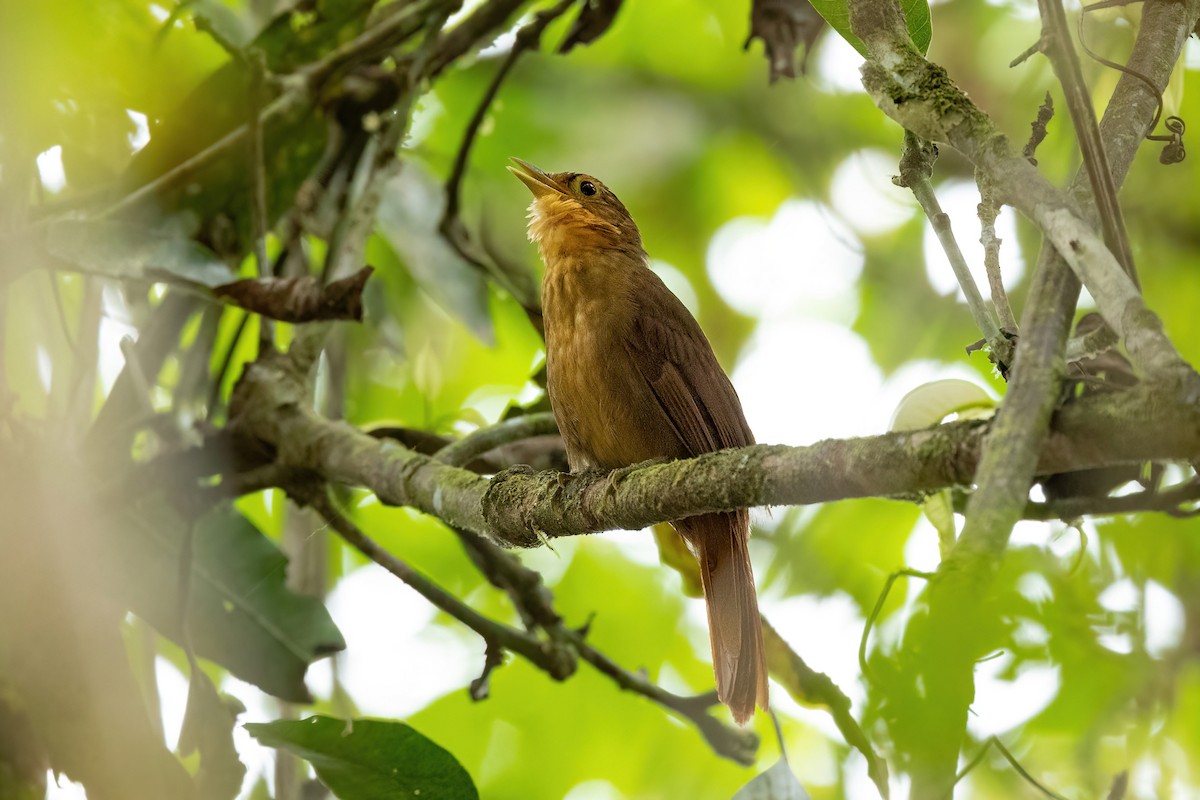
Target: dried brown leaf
[
  {"x": 783, "y": 25},
  {"x": 299, "y": 299},
  {"x": 594, "y": 19}
]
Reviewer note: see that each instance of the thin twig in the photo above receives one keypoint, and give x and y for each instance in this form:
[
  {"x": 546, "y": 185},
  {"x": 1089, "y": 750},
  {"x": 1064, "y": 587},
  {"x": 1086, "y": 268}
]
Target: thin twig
[
  {"x": 550, "y": 657},
  {"x": 1175, "y": 501},
  {"x": 1028, "y": 53},
  {"x": 554, "y": 655},
  {"x": 302, "y": 87},
  {"x": 736, "y": 744},
  {"x": 1059, "y": 48},
  {"x": 1023, "y": 772},
  {"x": 464, "y": 450},
  {"x": 258, "y": 183},
  {"x": 294, "y": 96},
  {"x": 451, "y": 226},
  {"x": 528, "y": 38},
  {"x": 485, "y": 22},
  {"x": 916, "y": 166},
  {"x": 883, "y": 595},
  {"x": 368, "y": 167},
  {"x": 377, "y": 165},
  {"x": 988, "y": 210},
  {"x": 809, "y": 687},
  {"x": 374, "y": 43},
  {"x": 378, "y": 161},
  {"x": 994, "y": 741}
]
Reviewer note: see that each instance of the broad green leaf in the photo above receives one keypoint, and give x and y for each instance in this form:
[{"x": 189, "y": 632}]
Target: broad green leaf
[
  {"x": 409, "y": 212},
  {"x": 777, "y": 783},
  {"x": 217, "y": 192},
  {"x": 365, "y": 759},
  {"x": 843, "y": 547},
  {"x": 241, "y": 613},
  {"x": 916, "y": 17},
  {"x": 117, "y": 250}
]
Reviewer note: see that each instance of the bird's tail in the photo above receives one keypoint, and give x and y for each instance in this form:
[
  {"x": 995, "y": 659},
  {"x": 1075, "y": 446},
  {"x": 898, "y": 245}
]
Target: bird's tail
[{"x": 739, "y": 660}]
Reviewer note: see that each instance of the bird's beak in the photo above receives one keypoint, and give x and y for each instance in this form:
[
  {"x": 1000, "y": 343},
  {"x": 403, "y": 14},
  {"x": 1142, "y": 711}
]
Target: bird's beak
[{"x": 538, "y": 182}]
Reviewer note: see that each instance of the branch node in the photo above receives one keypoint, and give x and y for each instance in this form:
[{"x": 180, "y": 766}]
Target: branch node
[{"x": 480, "y": 688}]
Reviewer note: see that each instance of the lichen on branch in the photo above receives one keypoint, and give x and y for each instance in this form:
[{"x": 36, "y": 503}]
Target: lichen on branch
[{"x": 520, "y": 506}]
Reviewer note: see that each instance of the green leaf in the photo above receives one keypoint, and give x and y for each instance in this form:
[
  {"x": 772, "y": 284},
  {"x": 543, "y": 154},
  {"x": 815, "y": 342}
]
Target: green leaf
[
  {"x": 117, "y": 250},
  {"x": 409, "y": 213},
  {"x": 216, "y": 194},
  {"x": 916, "y": 17},
  {"x": 938, "y": 508},
  {"x": 822, "y": 559},
  {"x": 366, "y": 759},
  {"x": 208, "y": 725},
  {"x": 777, "y": 783},
  {"x": 124, "y": 250},
  {"x": 260, "y": 790},
  {"x": 241, "y": 614},
  {"x": 223, "y": 21}
]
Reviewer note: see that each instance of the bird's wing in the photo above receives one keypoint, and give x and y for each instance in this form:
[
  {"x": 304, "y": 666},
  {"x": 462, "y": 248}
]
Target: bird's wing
[{"x": 677, "y": 362}]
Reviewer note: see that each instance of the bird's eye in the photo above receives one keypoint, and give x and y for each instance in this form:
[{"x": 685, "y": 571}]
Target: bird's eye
[{"x": 588, "y": 188}]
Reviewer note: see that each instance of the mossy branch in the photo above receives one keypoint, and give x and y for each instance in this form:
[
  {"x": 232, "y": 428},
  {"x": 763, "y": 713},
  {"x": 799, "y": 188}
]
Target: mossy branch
[
  {"x": 519, "y": 506},
  {"x": 919, "y": 95}
]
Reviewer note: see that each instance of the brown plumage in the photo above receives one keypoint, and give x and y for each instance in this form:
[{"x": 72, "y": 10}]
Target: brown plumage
[{"x": 632, "y": 377}]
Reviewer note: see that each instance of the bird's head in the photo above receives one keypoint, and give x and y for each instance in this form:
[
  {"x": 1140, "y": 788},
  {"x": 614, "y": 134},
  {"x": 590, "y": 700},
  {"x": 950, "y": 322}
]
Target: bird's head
[{"x": 572, "y": 211}]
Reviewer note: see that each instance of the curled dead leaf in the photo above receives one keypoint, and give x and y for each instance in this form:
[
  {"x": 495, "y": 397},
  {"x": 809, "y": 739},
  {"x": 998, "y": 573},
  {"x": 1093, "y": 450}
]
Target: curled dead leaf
[
  {"x": 594, "y": 19},
  {"x": 299, "y": 299},
  {"x": 783, "y": 25}
]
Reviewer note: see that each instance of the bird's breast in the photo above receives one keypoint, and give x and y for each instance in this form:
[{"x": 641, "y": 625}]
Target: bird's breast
[{"x": 592, "y": 385}]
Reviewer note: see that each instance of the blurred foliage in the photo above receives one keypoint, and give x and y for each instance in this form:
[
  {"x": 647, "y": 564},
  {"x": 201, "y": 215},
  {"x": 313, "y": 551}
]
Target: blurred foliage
[{"x": 104, "y": 369}]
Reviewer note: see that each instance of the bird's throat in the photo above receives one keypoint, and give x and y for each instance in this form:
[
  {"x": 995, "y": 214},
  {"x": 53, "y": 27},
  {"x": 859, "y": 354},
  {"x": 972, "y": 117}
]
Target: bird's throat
[{"x": 567, "y": 232}]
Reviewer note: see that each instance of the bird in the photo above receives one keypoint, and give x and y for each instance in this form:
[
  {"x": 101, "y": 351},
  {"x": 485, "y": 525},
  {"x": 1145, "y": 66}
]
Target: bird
[{"x": 632, "y": 377}]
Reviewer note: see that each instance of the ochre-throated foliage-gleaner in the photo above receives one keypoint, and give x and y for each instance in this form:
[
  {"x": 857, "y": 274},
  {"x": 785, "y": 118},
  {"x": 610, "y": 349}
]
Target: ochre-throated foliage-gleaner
[{"x": 632, "y": 377}]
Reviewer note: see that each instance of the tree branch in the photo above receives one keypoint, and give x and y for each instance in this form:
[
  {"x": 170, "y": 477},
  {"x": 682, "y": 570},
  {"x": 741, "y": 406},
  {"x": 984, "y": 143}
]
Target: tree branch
[
  {"x": 916, "y": 167},
  {"x": 921, "y": 97},
  {"x": 555, "y": 654},
  {"x": 548, "y": 656},
  {"x": 302, "y": 88},
  {"x": 988, "y": 211},
  {"x": 1177, "y": 501},
  {"x": 1058, "y": 47},
  {"x": 517, "y": 506}
]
